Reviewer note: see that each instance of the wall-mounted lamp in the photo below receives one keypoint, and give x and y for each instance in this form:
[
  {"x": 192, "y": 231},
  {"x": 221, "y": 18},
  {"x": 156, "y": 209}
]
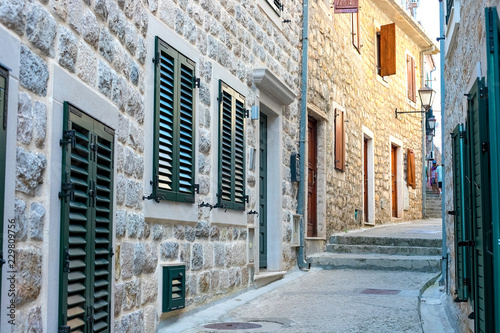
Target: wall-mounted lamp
[{"x": 426, "y": 98}]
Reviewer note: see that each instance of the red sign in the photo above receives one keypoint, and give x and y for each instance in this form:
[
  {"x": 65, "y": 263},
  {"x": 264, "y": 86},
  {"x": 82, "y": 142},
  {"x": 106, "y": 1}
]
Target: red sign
[{"x": 346, "y": 6}]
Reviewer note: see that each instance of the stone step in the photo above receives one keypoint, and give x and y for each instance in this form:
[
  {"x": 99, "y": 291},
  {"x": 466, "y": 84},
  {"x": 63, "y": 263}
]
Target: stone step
[
  {"x": 385, "y": 241},
  {"x": 394, "y": 250},
  {"x": 328, "y": 260}
]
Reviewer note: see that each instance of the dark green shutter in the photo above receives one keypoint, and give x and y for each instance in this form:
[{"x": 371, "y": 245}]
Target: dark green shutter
[
  {"x": 174, "y": 125},
  {"x": 461, "y": 246},
  {"x": 481, "y": 209},
  {"x": 174, "y": 288},
  {"x": 231, "y": 148},
  {"x": 493, "y": 64},
  {"x": 4, "y": 85},
  {"x": 86, "y": 223}
]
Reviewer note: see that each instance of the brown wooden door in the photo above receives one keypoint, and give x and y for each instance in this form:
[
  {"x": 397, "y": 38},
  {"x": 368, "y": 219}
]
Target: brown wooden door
[
  {"x": 394, "y": 178},
  {"x": 365, "y": 163},
  {"x": 312, "y": 230}
]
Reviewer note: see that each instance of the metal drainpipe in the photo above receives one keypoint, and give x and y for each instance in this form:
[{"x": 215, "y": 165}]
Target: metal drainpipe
[
  {"x": 302, "y": 134},
  {"x": 444, "y": 265}
]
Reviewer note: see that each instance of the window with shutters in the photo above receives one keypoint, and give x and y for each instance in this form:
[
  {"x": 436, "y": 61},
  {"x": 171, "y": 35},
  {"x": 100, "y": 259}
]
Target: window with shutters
[
  {"x": 174, "y": 134},
  {"x": 355, "y": 31},
  {"x": 4, "y": 91},
  {"x": 231, "y": 189},
  {"x": 86, "y": 224},
  {"x": 386, "y": 50},
  {"x": 411, "y": 180},
  {"x": 339, "y": 140},
  {"x": 276, "y": 5},
  {"x": 411, "y": 78}
]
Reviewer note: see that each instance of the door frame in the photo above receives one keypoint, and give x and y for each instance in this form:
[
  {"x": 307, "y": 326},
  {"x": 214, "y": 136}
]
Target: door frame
[
  {"x": 399, "y": 176},
  {"x": 368, "y": 134}
]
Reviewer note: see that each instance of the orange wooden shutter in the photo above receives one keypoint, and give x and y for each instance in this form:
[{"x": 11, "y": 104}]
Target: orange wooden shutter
[
  {"x": 409, "y": 81},
  {"x": 411, "y": 169},
  {"x": 355, "y": 29},
  {"x": 339, "y": 140},
  {"x": 413, "y": 79},
  {"x": 388, "y": 49}
]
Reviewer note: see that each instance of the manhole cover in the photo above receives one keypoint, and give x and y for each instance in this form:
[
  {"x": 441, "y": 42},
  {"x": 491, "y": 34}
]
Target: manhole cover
[
  {"x": 380, "y": 292},
  {"x": 232, "y": 326}
]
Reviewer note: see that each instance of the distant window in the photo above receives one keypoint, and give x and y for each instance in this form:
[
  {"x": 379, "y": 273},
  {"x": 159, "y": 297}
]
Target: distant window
[{"x": 277, "y": 5}]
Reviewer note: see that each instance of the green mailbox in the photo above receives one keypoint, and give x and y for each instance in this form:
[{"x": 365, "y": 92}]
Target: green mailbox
[{"x": 174, "y": 288}]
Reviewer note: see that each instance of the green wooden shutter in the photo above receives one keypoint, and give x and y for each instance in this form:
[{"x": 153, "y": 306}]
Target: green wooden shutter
[
  {"x": 461, "y": 238},
  {"x": 493, "y": 64},
  {"x": 174, "y": 125},
  {"x": 481, "y": 209},
  {"x": 86, "y": 223},
  {"x": 4, "y": 85},
  {"x": 231, "y": 148}
]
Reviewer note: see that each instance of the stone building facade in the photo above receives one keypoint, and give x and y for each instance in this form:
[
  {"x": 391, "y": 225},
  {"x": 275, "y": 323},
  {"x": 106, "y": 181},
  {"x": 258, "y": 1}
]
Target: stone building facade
[
  {"x": 343, "y": 78},
  {"x": 93, "y": 60}
]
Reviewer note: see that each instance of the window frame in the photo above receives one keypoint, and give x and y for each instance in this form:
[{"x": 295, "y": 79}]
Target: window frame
[
  {"x": 232, "y": 203},
  {"x": 175, "y": 194}
]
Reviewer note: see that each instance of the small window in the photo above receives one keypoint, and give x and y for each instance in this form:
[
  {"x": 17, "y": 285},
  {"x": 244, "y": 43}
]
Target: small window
[
  {"x": 386, "y": 50},
  {"x": 355, "y": 31},
  {"x": 339, "y": 140},
  {"x": 231, "y": 190},
  {"x": 276, "y": 5},
  {"x": 449, "y": 7},
  {"x": 411, "y": 168},
  {"x": 173, "y": 164},
  {"x": 411, "y": 77}
]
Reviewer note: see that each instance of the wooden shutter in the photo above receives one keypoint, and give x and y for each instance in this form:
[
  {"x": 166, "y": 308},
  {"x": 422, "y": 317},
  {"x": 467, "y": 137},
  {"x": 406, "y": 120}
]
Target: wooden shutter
[
  {"x": 388, "y": 49},
  {"x": 339, "y": 140},
  {"x": 411, "y": 168},
  {"x": 493, "y": 75},
  {"x": 461, "y": 252},
  {"x": 231, "y": 148},
  {"x": 4, "y": 90},
  {"x": 86, "y": 224},
  {"x": 355, "y": 30},
  {"x": 481, "y": 207},
  {"x": 174, "y": 125},
  {"x": 411, "y": 78}
]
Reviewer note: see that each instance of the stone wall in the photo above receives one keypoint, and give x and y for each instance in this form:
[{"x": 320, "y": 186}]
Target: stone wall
[
  {"x": 339, "y": 74},
  {"x": 103, "y": 44}
]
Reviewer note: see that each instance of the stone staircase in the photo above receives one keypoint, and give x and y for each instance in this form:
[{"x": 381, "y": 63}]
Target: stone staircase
[
  {"x": 432, "y": 205},
  {"x": 380, "y": 253}
]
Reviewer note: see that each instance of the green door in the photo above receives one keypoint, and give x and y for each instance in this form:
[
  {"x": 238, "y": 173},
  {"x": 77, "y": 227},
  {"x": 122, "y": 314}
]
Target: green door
[
  {"x": 481, "y": 209},
  {"x": 4, "y": 84},
  {"x": 493, "y": 64},
  {"x": 263, "y": 192},
  {"x": 86, "y": 224}
]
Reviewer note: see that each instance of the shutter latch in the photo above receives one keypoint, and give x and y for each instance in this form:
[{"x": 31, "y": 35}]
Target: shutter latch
[
  {"x": 451, "y": 212},
  {"x": 154, "y": 183},
  {"x": 90, "y": 318},
  {"x": 66, "y": 260},
  {"x": 68, "y": 137},
  {"x": 197, "y": 82}
]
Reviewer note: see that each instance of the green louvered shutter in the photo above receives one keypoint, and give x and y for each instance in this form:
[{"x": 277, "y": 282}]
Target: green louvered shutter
[
  {"x": 4, "y": 85},
  {"x": 461, "y": 247},
  {"x": 86, "y": 223},
  {"x": 231, "y": 148},
  {"x": 493, "y": 65},
  {"x": 174, "y": 125},
  {"x": 481, "y": 209}
]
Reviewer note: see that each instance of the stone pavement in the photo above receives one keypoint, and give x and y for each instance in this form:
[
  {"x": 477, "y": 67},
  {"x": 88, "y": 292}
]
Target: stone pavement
[{"x": 330, "y": 301}]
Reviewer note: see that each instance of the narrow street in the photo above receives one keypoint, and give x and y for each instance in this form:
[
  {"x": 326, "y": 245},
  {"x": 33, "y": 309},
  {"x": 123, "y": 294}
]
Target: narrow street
[{"x": 335, "y": 300}]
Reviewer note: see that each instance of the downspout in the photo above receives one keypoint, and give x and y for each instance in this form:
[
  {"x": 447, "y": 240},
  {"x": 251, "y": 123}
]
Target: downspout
[
  {"x": 302, "y": 134},
  {"x": 444, "y": 264}
]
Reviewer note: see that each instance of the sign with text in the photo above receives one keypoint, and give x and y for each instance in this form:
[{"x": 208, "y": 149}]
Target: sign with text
[{"x": 346, "y": 6}]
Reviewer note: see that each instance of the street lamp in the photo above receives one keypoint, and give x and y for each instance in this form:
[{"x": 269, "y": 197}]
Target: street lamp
[{"x": 426, "y": 98}]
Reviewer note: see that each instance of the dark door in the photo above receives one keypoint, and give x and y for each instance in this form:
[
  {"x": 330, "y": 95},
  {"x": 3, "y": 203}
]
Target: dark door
[
  {"x": 365, "y": 163},
  {"x": 263, "y": 192},
  {"x": 4, "y": 84},
  {"x": 394, "y": 178},
  {"x": 312, "y": 165}
]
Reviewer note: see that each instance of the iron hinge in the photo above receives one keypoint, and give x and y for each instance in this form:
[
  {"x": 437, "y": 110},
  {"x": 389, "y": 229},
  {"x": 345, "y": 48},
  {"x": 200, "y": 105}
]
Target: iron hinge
[
  {"x": 68, "y": 137},
  {"x": 90, "y": 318},
  {"x": 66, "y": 260},
  {"x": 196, "y": 188},
  {"x": 67, "y": 189},
  {"x": 64, "y": 329},
  {"x": 466, "y": 243},
  {"x": 467, "y": 282},
  {"x": 462, "y": 134},
  {"x": 451, "y": 212},
  {"x": 156, "y": 59},
  {"x": 483, "y": 92},
  {"x": 197, "y": 82},
  {"x": 492, "y": 34},
  {"x": 459, "y": 300},
  {"x": 154, "y": 184},
  {"x": 485, "y": 147}
]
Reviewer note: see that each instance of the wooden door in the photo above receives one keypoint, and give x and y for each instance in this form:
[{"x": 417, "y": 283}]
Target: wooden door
[
  {"x": 263, "y": 192},
  {"x": 365, "y": 176},
  {"x": 312, "y": 165},
  {"x": 394, "y": 179}
]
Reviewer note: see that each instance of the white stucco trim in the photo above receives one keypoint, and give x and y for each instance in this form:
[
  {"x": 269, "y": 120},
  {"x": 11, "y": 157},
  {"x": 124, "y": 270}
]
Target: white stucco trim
[
  {"x": 368, "y": 134},
  {"x": 452, "y": 26},
  {"x": 10, "y": 57},
  {"x": 400, "y": 174},
  {"x": 268, "y": 82}
]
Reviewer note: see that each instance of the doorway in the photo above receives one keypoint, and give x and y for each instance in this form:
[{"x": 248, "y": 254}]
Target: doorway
[
  {"x": 365, "y": 180},
  {"x": 263, "y": 191},
  {"x": 394, "y": 179},
  {"x": 312, "y": 167}
]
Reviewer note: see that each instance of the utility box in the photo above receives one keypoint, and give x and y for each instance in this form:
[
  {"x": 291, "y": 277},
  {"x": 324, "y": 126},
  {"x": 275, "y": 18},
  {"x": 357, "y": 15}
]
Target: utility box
[
  {"x": 174, "y": 288},
  {"x": 295, "y": 167}
]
